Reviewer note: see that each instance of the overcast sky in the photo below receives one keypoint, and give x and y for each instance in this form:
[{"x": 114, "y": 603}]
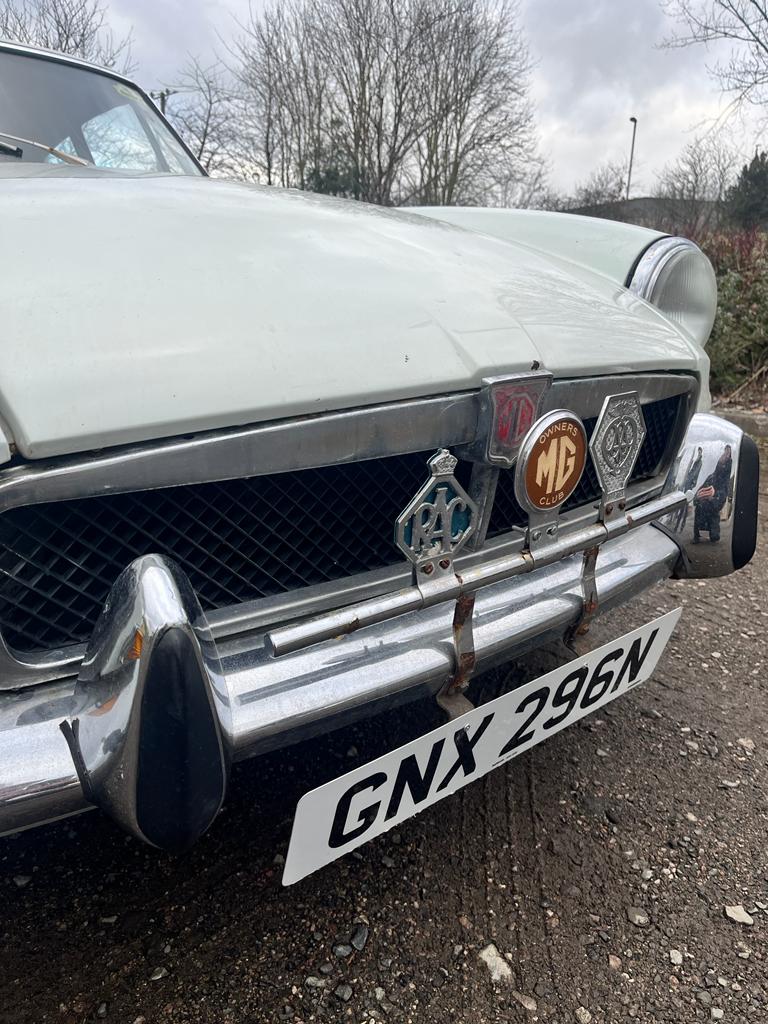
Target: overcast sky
[{"x": 597, "y": 64}]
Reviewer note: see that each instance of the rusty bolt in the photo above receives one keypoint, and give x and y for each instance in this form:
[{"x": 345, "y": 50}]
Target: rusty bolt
[
  {"x": 445, "y": 563},
  {"x": 609, "y": 508},
  {"x": 428, "y": 568},
  {"x": 622, "y": 504}
]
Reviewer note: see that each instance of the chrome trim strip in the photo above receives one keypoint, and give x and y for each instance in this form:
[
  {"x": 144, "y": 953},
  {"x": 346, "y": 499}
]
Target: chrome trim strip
[
  {"x": 275, "y": 702},
  {"x": 285, "y": 446},
  {"x": 482, "y": 490},
  {"x": 289, "y": 445},
  {"x": 281, "y": 447}
]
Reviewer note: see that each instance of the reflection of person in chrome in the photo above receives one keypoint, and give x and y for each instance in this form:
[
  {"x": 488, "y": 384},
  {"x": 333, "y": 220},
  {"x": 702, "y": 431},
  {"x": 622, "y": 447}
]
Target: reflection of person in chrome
[
  {"x": 691, "y": 479},
  {"x": 692, "y": 476},
  {"x": 711, "y": 497}
]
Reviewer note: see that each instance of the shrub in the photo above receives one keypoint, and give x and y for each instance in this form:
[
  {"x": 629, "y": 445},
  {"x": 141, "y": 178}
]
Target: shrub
[{"x": 739, "y": 343}]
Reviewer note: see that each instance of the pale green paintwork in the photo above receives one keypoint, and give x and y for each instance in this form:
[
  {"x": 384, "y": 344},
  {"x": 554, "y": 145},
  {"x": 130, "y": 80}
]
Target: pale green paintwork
[
  {"x": 605, "y": 246},
  {"x": 140, "y": 307}
]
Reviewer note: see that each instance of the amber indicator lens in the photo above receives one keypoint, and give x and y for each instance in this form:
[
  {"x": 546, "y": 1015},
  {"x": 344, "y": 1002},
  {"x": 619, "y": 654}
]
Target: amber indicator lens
[{"x": 556, "y": 457}]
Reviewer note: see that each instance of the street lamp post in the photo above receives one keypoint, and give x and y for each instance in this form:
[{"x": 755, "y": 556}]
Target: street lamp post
[{"x": 631, "y": 153}]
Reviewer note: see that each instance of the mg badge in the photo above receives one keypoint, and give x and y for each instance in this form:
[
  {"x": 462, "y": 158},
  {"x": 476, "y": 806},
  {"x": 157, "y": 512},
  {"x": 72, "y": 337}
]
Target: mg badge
[
  {"x": 616, "y": 444},
  {"x": 441, "y": 517},
  {"x": 552, "y": 458}
]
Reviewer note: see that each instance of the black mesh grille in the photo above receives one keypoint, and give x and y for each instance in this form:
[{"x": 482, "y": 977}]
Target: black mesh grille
[{"x": 237, "y": 540}]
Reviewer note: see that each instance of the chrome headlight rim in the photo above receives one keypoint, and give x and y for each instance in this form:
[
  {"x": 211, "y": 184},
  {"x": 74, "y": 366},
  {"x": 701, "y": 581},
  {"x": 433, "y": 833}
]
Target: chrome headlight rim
[
  {"x": 656, "y": 268},
  {"x": 645, "y": 275}
]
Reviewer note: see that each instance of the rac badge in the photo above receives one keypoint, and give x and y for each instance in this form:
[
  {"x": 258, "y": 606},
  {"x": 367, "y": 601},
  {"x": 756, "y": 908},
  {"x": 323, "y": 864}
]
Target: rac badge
[
  {"x": 552, "y": 458},
  {"x": 440, "y": 518}
]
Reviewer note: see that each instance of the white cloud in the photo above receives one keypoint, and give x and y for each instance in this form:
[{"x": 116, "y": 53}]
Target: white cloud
[{"x": 599, "y": 63}]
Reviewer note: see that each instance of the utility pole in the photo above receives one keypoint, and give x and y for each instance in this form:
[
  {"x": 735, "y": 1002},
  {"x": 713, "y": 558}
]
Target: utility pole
[
  {"x": 631, "y": 153},
  {"x": 162, "y": 97}
]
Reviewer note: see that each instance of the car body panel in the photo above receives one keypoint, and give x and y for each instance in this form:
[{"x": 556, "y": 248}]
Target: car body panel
[
  {"x": 606, "y": 247},
  {"x": 145, "y": 306}
]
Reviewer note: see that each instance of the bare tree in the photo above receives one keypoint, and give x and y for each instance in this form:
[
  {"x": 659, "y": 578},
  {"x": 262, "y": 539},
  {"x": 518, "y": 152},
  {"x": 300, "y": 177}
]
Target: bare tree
[
  {"x": 548, "y": 198},
  {"x": 696, "y": 184},
  {"x": 202, "y": 107},
  {"x": 376, "y": 51},
  {"x": 743, "y": 23},
  {"x": 605, "y": 185},
  {"x": 284, "y": 94},
  {"x": 77, "y": 27},
  {"x": 388, "y": 101},
  {"x": 479, "y": 118},
  {"x": 521, "y": 183}
]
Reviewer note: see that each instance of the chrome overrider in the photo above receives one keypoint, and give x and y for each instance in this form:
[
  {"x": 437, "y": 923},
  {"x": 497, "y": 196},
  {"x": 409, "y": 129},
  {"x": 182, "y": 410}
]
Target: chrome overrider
[
  {"x": 150, "y": 709},
  {"x": 717, "y": 468},
  {"x": 153, "y": 670}
]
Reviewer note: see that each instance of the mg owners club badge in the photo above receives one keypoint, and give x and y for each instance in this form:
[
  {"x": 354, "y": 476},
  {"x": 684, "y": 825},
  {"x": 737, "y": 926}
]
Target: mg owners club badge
[{"x": 552, "y": 459}]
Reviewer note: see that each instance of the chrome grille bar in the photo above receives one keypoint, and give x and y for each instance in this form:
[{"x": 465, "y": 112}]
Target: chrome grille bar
[{"x": 289, "y": 639}]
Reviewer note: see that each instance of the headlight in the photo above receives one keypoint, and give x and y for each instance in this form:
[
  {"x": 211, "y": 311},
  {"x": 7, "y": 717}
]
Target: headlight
[{"x": 675, "y": 276}]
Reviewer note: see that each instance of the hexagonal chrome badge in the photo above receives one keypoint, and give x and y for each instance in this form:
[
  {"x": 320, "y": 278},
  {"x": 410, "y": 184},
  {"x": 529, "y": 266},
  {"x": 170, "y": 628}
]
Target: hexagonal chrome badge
[
  {"x": 441, "y": 518},
  {"x": 616, "y": 442}
]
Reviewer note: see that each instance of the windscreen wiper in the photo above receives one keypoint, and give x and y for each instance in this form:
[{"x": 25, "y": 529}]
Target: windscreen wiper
[
  {"x": 68, "y": 158},
  {"x": 11, "y": 150}
]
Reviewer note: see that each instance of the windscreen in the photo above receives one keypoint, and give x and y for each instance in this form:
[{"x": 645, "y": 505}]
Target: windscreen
[{"x": 82, "y": 113}]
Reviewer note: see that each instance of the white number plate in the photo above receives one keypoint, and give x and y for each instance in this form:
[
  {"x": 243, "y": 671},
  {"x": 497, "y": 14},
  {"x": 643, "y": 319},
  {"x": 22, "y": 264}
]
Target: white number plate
[{"x": 346, "y": 812}]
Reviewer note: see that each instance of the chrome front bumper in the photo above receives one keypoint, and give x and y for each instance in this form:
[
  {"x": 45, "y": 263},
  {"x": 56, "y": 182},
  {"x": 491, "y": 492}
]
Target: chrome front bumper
[
  {"x": 265, "y": 702},
  {"x": 159, "y": 709}
]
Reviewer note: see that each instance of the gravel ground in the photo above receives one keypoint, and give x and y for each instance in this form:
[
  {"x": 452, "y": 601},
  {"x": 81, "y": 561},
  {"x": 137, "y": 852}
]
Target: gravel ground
[{"x": 588, "y": 880}]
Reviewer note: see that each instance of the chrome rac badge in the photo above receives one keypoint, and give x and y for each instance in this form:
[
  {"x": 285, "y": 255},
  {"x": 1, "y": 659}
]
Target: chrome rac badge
[
  {"x": 552, "y": 459},
  {"x": 615, "y": 446},
  {"x": 441, "y": 517}
]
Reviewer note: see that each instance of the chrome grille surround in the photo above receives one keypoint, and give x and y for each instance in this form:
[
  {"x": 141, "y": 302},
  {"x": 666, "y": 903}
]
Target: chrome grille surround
[{"x": 335, "y": 439}]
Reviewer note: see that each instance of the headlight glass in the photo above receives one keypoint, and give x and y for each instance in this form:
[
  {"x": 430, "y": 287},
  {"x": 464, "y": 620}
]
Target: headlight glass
[{"x": 675, "y": 276}]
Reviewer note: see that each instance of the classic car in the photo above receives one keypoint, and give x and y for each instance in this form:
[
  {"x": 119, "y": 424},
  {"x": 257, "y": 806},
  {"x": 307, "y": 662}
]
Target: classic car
[{"x": 271, "y": 461}]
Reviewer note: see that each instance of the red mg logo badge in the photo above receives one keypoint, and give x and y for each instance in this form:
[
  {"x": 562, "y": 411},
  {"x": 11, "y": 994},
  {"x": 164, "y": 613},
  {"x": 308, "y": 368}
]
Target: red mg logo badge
[
  {"x": 510, "y": 406},
  {"x": 515, "y": 411}
]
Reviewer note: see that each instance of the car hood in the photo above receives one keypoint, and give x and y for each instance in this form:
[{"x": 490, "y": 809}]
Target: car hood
[{"x": 139, "y": 307}]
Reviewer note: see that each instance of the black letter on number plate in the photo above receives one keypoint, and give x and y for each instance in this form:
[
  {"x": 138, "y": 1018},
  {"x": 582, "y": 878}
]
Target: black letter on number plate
[
  {"x": 367, "y": 816},
  {"x": 464, "y": 746},
  {"x": 539, "y": 698},
  {"x": 409, "y": 774},
  {"x": 634, "y": 662}
]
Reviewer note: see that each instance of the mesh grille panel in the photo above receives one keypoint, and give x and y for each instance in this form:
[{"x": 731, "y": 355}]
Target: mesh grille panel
[{"x": 237, "y": 540}]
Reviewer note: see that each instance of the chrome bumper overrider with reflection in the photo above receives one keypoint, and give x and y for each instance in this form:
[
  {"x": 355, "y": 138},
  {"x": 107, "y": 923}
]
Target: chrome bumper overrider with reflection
[{"x": 159, "y": 709}]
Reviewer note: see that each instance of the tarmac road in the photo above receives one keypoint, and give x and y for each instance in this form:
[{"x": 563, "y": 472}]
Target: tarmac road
[{"x": 591, "y": 873}]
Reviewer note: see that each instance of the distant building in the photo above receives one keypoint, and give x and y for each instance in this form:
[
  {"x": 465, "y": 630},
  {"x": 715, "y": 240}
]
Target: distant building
[{"x": 679, "y": 216}]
